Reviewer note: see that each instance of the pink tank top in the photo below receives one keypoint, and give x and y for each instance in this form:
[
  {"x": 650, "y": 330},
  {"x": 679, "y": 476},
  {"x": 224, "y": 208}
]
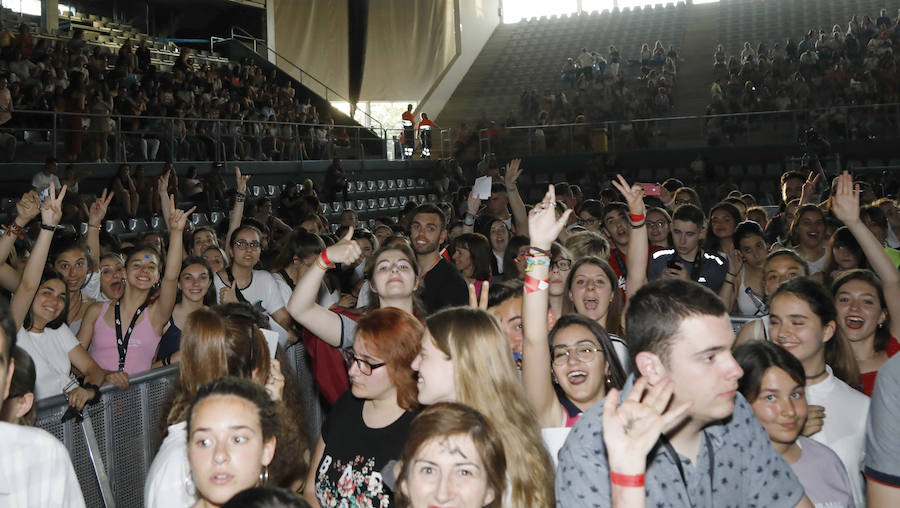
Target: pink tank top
[{"x": 141, "y": 346}]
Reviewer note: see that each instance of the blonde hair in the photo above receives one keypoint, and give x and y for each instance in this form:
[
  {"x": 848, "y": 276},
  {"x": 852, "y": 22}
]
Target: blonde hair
[
  {"x": 485, "y": 378},
  {"x": 585, "y": 244}
]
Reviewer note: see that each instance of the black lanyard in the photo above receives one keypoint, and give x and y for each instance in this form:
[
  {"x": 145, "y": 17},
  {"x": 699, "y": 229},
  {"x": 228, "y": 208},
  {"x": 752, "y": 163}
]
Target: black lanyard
[
  {"x": 122, "y": 341},
  {"x": 237, "y": 290},
  {"x": 623, "y": 268},
  {"x": 674, "y": 455}
]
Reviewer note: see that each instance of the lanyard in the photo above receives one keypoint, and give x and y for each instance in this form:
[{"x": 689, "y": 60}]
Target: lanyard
[
  {"x": 122, "y": 342},
  {"x": 709, "y": 454},
  {"x": 623, "y": 268}
]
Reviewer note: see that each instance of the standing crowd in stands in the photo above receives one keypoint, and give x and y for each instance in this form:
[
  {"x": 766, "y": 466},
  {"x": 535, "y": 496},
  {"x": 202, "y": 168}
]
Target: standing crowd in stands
[{"x": 576, "y": 351}]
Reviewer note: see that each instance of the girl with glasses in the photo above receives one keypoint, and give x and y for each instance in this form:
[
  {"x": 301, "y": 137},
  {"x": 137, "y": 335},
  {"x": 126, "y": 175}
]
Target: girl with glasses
[
  {"x": 560, "y": 264},
  {"x": 658, "y": 221},
  {"x": 365, "y": 431}
]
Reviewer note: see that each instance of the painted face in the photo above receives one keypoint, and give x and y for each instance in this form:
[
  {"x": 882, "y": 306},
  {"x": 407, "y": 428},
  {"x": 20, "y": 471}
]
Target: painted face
[
  {"x": 686, "y": 236},
  {"x": 215, "y": 260},
  {"x": 617, "y": 227},
  {"x": 226, "y": 448},
  {"x": 462, "y": 258},
  {"x": 72, "y": 265},
  {"x": 245, "y": 248},
  {"x": 754, "y": 251},
  {"x": 448, "y": 471},
  {"x": 194, "y": 282},
  {"x": 589, "y": 222},
  {"x": 579, "y": 365},
  {"x": 780, "y": 406},
  {"x": 722, "y": 224},
  {"x": 376, "y": 385},
  {"x": 780, "y": 269},
  {"x": 112, "y": 278},
  {"x": 49, "y": 301},
  {"x": 811, "y": 229},
  {"x": 509, "y": 313},
  {"x": 427, "y": 233},
  {"x": 657, "y": 228},
  {"x": 796, "y": 328},
  {"x": 142, "y": 270},
  {"x": 592, "y": 292},
  {"x": 435, "y": 373},
  {"x": 202, "y": 240},
  {"x": 499, "y": 236},
  {"x": 859, "y": 310},
  {"x": 702, "y": 367},
  {"x": 393, "y": 275},
  {"x": 559, "y": 270}
]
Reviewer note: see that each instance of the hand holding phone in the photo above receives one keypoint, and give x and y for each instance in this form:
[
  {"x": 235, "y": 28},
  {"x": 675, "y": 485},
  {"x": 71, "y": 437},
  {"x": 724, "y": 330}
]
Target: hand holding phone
[{"x": 650, "y": 189}]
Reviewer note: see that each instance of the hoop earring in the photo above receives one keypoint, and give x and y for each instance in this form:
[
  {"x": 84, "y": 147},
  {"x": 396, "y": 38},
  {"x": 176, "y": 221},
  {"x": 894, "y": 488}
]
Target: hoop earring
[{"x": 264, "y": 475}]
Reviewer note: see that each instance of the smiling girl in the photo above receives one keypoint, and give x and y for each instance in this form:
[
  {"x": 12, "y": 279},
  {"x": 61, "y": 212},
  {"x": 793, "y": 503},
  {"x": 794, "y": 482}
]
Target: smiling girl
[{"x": 808, "y": 237}]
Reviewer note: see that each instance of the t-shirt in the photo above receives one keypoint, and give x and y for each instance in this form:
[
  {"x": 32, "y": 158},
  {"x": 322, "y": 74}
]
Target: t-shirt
[
  {"x": 262, "y": 293},
  {"x": 444, "y": 287},
  {"x": 844, "y": 430},
  {"x": 823, "y": 475},
  {"x": 742, "y": 454},
  {"x": 169, "y": 483},
  {"x": 868, "y": 378},
  {"x": 35, "y": 470},
  {"x": 882, "y": 439},
  {"x": 711, "y": 273},
  {"x": 357, "y": 458},
  {"x": 49, "y": 350},
  {"x": 40, "y": 181}
]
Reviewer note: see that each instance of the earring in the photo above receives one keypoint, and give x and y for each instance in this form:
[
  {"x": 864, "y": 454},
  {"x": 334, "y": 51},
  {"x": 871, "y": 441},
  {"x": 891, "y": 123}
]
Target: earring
[
  {"x": 880, "y": 326},
  {"x": 264, "y": 475},
  {"x": 189, "y": 487},
  {"x": 608, "y": 382}
]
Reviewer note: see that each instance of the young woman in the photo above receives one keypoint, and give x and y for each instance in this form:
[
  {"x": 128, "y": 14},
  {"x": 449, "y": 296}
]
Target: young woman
[
  {"x": 658, "y": 220},
  {"x": 39, "y": 309},
  {"x": 808, "y": 237},
  {"x": 19, "y": 407},
  {"x": 296, "y": 257},
  {"x": 743, "y": 291},
  {"x": 844, "y": 254},
  {"x": 560, "y": 264},
  {"x": 685, "y": 195},
  {"x": 123, "y": 336},
  {"x": 216, "y": 258},
  {"x": 723, "y": 220},
  {"x": 194, "y": 292},
  {"x": 590, "y": 215},
  {"x": 367, "y": 426},
  {"x": 514, "y": 257},
  {"x": 498, "y": 234},
  {"x": 112, "y": 276},
  {"x": 775, "y": 385},
  {"x": 866, "y": 303},
  {"x": 780, "y": 265},
  {"x": 465, "y": 357},
  {"x": 803, "y": 321},
  {"x": 472, "y": 257},
  {"x": 231, "y": 429},
  {"x": 453, "y": 457}
]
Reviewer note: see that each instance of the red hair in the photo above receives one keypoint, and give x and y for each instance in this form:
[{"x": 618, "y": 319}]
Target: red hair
[{"x": 395, "y": 336}]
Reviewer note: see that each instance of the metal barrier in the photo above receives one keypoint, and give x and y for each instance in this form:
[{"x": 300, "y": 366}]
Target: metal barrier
[{"x": 113, "y": 447}]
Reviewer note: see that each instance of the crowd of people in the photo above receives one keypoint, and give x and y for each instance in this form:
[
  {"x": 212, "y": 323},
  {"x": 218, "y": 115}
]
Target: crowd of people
[
  {"x": 124, "y": 100},
  {"x": 822, "y": 71},
  {"x": 576, "y": 351}
]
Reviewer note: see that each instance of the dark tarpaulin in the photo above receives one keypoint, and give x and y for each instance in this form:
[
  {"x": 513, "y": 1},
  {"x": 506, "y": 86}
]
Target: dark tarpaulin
[{"x": 357, "y": 24}]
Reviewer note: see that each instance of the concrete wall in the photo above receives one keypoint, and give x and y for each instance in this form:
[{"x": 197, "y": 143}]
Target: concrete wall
[{"x": 477, "y": 20}]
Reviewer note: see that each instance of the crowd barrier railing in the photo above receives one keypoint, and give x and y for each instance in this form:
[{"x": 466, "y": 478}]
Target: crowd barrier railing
[{"x": 112, "y": 448}]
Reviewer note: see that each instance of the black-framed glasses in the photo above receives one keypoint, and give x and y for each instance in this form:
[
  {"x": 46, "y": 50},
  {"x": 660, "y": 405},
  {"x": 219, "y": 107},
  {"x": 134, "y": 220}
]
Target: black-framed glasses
[
  {"x": 588, "y": 222},
  {"x": 364, "y": 366},
  {"x": 562, "y": 264},
  {"x": 244, "y": 245},
  {"x": 584, "y": 354},
  {"x": 657, "y": 223}
]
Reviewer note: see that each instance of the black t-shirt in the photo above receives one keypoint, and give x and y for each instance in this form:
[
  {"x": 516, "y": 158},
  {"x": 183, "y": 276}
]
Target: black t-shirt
[
  {"x": 356, "y": 456},
  {"x": 444, "y": 287}
]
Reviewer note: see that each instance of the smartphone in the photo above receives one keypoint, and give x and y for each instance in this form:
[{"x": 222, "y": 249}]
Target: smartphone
[
  {"x": 650, "y": 189},
  {"x": 674, "y": 264}
]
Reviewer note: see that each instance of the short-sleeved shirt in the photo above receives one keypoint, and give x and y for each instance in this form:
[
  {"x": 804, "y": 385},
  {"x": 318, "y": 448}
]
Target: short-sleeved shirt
[
  {"x": 882, "y": 462},
  {"x": 444, "y": 287},
  {"x": 747, "y": 471},
  {"x": 262, "y": 293},
  {"x": 49, "y": 350},
  {"x": 35, "y": 470},
  {"x": 41, "y": 181},
  {"x": 823, "y": 475},
  {"x": 712, "y": 268}
]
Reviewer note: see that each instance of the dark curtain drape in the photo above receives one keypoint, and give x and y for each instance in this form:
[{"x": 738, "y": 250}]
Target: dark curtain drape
[{"x": 357, "y": 24}]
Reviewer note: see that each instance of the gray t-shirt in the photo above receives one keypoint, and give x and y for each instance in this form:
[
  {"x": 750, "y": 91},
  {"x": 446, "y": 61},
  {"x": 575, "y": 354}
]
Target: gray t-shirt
[
  {"x": 882, "y": 462},
  {"x": 823, "y": 475},
  {"x": 747, "y": 471}
]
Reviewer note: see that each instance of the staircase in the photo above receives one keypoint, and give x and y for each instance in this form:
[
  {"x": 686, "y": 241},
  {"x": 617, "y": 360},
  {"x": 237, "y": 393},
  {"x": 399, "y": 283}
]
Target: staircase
[{"x": 695, "y": 70}]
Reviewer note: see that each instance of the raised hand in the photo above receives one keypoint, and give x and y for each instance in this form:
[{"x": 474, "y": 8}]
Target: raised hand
[
  {"x": 543, "y": 225},
  {"x": 98, "y": 210},
  {"x": 275, "y": 382},
  {"x": 631, "y": 429},
  {"x": 240, "y": 180},
  {"x": 51, "y": 209},
  {"x": 634, "y": 194},
  {"x": 228, "y": 294},
  {"x": 479, "y": 303},
  {"x": 163, "y": 185},
  {"x": 178, "y": 218},
  {"x": 845, "y": 201},
  {"x": 811, "y": 184},
  {"x": 735, "y": 261},
  {"x": 346, "y": 251},
  {"x": 29, "y": 206},
  {"x": 473, "y": 203},
  {"x": 513, "y": 172}
]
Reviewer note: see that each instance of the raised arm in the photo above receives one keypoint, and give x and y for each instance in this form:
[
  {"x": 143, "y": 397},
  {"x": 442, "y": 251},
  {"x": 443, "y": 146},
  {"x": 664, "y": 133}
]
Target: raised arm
[
  {"x": 845, "y": 206},
  {"x": 516, "y": 205},
  {"x": 728, "y": 291},
  {"x": 808, "y": 191},
  {"x": 545, "y": 227},
  {"x": 638, "y": 250},
  {"x": 240, "y": 194},
  {"x": 51, "y": 212},
  {"x": 168, "y": 286},
  {"x": 162, "y": 190},
  {"x": 302, "y": 306},
  {"x": 472, "y": 206},
  {"x": 27, "y": 208},
  {"x": 95, "y": 222}
]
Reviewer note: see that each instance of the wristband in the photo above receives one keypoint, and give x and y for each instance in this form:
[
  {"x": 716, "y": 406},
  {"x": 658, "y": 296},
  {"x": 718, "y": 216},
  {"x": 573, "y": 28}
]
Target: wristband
[
  {"x": 533, "y": 284},
  {"x": 732, "y": 274},
  {"x": 14, "y": 229},
  {"x": 324, "y": 257},
  {"x": 635, "y": 217},
  {"x": 535, "y": 251},
  {"x": 469, "y": 214},
  {"x": 240, "y": 194},
  {"x": 636, "y": 225},
  {"x": 48, "y": 227},
  {"x": 89, "y": 386},
  {"x": 94, "y": 226},
  {"x": 468, "y": 222},
  {"x": 626, "y": 480}
]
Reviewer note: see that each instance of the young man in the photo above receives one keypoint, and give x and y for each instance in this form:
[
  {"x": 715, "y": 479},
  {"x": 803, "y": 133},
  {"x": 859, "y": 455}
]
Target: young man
[
  {"x": 35, "y": 469},
  {"x": 505, "y": 303},
  {"x": 882, "y": 438},
  {"x": 444, "y": 286},
  {"x": 617, "y": 228},
  {"x": 687, "y": 260},
  {"x": 47, "y": 175},
  {"x": 717, "y": 454}
]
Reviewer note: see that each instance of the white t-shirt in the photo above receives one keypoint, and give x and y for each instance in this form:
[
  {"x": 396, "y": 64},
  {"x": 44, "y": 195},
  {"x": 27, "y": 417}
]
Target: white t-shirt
[
  {"x": 845, "y": 426},
  {"x": 819, "y": 264},
  {"x": 49, "y": 351},
  {"x": 264, "y": 294},
  {"x": 169, "y": 482},
  {"x": 35, "y": 470},
  {"x": 41, "y": 181}
]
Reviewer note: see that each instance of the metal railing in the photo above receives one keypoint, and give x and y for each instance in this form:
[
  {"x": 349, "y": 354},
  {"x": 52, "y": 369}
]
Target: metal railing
[
  {"x": 847, "y": 123},
  {"x": 185, "y": 139},
  {"x": 113, "y": 446}
]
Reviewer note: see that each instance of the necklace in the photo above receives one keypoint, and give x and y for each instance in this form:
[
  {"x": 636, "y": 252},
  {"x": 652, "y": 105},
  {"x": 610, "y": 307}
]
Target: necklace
[{"x": 817, "y": 375}]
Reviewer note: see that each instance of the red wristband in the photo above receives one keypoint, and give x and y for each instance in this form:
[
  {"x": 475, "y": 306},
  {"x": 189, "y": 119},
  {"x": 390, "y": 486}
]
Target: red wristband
[
  {"x": 325, "y": 258},
  {"x": 626, "y": 480},
  {"x": 636, "y": 218},
  {"x": 533, "y": 284}
]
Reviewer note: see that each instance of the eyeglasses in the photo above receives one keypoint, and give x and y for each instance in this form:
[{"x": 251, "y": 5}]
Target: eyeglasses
[
  {"x": 584, "y": 354},
  {"x": 364, "y": 366},
  {"x": 657, "y": 224},
  {"x": 588, "y": 222},
  {"x": 563, "y": 264},
  {"x": 679, "y": 202},
  {"x": 244, "y": 245}
]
